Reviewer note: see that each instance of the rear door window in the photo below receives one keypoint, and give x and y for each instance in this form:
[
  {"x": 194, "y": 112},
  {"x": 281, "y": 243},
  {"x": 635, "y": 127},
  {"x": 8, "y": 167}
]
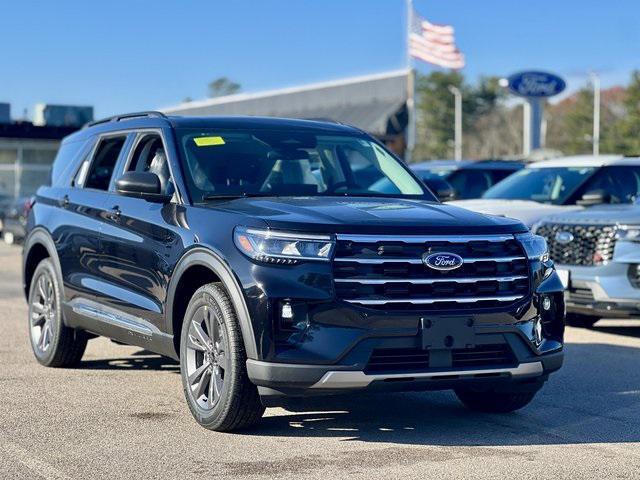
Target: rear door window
[{"x": 98, "y": 174}]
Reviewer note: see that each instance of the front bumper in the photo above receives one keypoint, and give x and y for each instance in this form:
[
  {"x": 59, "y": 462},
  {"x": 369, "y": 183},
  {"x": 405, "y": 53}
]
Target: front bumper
[
  {"x": 527, "y": 368},
  {"x": 602, "y": 291}
]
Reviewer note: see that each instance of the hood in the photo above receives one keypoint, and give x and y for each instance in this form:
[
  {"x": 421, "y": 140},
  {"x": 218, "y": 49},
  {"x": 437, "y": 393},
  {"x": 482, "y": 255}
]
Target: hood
[
  {"x": 600, "y": 215},
  {"x": 528, "y": 212},
  {"x": 368, "y": 214}
]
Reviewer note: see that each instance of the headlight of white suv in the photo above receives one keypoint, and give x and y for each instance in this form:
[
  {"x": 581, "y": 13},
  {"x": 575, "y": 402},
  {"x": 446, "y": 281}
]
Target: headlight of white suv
[
  {"x": 284, "y": 248},
  {"x": 535, "y": 246},
  {"x": 629, "y": 233}
]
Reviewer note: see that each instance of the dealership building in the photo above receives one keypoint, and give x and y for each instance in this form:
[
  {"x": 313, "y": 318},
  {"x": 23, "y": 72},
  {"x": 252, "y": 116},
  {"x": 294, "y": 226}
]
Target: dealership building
[
  {"x": 27, "y": 149},
  {"x": 374, "y": 103}
]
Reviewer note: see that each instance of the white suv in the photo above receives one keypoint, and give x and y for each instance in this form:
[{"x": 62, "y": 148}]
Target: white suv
[
  {"x": 561, "y": 185},
  {"x": 597, "y": 255}
]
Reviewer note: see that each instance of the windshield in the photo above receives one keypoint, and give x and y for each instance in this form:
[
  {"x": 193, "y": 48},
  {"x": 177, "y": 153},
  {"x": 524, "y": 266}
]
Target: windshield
[
  {"x": 224, "y": 163},
  {"x": 545, "y": 185}
]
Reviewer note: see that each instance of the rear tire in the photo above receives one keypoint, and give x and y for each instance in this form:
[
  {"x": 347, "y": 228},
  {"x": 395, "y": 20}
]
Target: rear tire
[
  {"x": 213, "y": 364},
  {"x": 581, "y": 321},
  {"x": 53, "y": 343},
  {"x": 494, "y": 402}
]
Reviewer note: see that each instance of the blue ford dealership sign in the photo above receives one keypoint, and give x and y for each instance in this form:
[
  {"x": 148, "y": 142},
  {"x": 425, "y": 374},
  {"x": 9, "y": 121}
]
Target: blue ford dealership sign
[{"x": 536, "y": 84}]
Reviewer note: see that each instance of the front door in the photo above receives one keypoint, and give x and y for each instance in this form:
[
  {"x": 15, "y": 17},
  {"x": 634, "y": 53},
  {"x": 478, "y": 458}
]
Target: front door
[{"x": 141, "y": 242}]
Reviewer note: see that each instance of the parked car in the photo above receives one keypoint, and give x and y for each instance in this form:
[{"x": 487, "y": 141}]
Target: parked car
[
  {"x": 469, "y": 179},
  {"x": 597, "y": 254},
  {"x": 250, "y": 250},
  {"x": 14, "y": 220},
  {"x": 561, "y": 185}
]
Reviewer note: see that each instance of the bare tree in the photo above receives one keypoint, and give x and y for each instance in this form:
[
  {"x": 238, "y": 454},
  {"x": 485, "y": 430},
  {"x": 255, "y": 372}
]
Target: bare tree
[{"x": 223, "y": 86}]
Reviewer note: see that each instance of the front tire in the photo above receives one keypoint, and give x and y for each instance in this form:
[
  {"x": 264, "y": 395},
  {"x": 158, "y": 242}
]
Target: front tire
[
  {"x": 494, "y": 402},
  {"x": 213, "y": 364},
  {"x": 53, "y": 343}
]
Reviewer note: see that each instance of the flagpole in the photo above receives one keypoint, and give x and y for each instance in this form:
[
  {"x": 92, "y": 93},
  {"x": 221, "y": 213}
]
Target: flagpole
[{"x": 411, "y": 116}]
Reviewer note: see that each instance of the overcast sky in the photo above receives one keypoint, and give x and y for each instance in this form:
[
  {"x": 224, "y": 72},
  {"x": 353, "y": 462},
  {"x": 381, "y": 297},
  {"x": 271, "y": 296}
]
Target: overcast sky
[{"x": 130, "y": 55}]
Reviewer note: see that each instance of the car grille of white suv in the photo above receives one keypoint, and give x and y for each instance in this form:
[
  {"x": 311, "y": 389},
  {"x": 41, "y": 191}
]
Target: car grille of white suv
[{"x": 585, "y": 245}]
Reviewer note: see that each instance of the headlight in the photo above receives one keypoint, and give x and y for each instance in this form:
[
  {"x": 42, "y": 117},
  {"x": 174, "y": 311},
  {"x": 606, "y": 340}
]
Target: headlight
[
  {"x": 535, "y": 246},
  {"x": 631, "y": 234},
  {"x": 283, "y": 248}
]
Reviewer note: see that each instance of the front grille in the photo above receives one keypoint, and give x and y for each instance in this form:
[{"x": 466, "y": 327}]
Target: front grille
[
  {"x": 416, "y": 360},
  {"x": 385, "y": 272},
  {"x": 580, "y": 296},
  {"x": 584, "y": 244}
]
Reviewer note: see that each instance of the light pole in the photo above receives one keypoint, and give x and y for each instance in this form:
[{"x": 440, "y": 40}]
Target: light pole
[
  {"x": 457, "y": 95},
  {"x": 595, "y": 80}
]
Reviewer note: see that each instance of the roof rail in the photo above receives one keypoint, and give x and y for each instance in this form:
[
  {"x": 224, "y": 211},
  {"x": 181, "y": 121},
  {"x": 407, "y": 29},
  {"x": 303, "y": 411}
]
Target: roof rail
[{"x": 125, "y": 116}]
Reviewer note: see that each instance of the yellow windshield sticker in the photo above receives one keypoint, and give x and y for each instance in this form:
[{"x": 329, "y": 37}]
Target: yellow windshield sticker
[{"x": 208, "y": 141}]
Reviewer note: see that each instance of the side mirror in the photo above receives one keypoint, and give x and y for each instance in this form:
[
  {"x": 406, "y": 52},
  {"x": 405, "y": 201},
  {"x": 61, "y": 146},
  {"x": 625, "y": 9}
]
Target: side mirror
[
  {"x": 440, "y": 188},
  {"x": 594, "y": 197},
  {"x": 445, "y": 194},
  {"x": 145, "y": 185}
]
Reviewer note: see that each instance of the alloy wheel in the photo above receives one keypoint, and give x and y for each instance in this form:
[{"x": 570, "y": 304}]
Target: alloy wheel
[
  {"x": 207, "y": 358},
  {"x": 43, "y": 313}
]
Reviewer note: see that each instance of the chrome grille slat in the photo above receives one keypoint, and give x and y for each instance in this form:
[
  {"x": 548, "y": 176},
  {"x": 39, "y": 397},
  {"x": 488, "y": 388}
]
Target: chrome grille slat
[
  {"x": 428, "y": 281},
  {"x": 423, "y": 238},
  {"x": 418, "y": 261},
  {"x": 430, "y": 301}
]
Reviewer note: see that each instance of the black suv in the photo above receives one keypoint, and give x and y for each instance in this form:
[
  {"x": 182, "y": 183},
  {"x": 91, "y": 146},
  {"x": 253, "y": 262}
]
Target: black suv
[{"x": 272, "y": 258}]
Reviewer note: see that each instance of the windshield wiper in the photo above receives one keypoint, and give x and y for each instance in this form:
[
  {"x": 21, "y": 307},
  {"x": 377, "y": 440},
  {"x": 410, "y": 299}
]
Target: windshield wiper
[{"x": 232, "y": 196}]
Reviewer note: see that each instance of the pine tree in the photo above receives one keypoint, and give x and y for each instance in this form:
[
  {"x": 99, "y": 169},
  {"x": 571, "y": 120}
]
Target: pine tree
[{"x": 629, "y": 127}]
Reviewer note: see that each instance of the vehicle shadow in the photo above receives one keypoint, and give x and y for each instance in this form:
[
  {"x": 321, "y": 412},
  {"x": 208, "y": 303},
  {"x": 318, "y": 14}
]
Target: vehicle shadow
[
  {"x": 594, "y": 398},
  {"x": 140, "y": 360},
  {"x": 627, "y": 331}
]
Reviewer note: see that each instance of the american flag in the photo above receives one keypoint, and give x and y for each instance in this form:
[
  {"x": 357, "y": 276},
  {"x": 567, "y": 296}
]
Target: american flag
[{"x": 434, "y": 43}]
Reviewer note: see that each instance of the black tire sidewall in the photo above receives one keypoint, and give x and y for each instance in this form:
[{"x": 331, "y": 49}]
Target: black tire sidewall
[
  {"x": 213, "y": 297},
  {"x": 47, "y": 357}
]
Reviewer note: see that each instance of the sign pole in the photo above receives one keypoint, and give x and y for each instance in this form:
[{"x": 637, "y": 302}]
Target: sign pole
[
  {"x": 411, "y": 88},
  {"x": 457, "y": 97},
  {"x": 595, "y": 79}
]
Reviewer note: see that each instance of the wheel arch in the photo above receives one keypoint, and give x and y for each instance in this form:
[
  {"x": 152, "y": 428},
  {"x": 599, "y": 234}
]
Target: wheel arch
[
  {"x": 203, "y": 258},
  {"x": 38, "y": 245}
]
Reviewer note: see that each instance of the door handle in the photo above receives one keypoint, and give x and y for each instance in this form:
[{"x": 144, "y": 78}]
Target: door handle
[
  {"x": 115, "y": 213},
  {"x": 64, "y": 201}
]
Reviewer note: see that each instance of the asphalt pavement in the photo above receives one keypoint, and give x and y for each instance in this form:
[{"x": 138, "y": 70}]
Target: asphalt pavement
[{"x": 121, "y": 414}]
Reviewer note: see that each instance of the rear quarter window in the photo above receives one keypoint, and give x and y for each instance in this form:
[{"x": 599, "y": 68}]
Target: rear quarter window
[{"x": 67, "y": 158}]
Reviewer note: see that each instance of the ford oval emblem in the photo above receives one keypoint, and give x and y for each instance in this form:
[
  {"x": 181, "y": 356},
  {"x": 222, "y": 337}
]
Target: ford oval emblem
[
  {"x": 442, "y": 261},
  {"x": 536, "y": 84},
  {"x": 564, "y": 237}
]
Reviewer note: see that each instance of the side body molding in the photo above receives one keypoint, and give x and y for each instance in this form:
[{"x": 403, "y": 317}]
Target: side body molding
[{"x": 208, "y": 258}]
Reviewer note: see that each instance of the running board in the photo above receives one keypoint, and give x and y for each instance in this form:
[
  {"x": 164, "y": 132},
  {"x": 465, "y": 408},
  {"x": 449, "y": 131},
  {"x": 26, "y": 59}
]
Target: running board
[{"x": 335, "y": 380}]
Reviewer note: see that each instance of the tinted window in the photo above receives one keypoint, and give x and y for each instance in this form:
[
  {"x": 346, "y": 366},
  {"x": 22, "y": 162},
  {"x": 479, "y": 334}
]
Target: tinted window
[
  {"x": 546, "y": 185},
  {"x": 470, "y": 183},
  {"x": 618, "y": 184},
  {"x": 290, "y": 163},
  {"x": 66, "y": 156},
  {"x": 150, "y": 156},
  {"x": 104, "y": 161}
]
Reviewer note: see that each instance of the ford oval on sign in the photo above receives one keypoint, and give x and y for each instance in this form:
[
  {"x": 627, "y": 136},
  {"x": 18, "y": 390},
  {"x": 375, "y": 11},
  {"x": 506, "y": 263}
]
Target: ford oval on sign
[
  {"x": 442, "y": 261},
  {"x": 536, "y": 84}
]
